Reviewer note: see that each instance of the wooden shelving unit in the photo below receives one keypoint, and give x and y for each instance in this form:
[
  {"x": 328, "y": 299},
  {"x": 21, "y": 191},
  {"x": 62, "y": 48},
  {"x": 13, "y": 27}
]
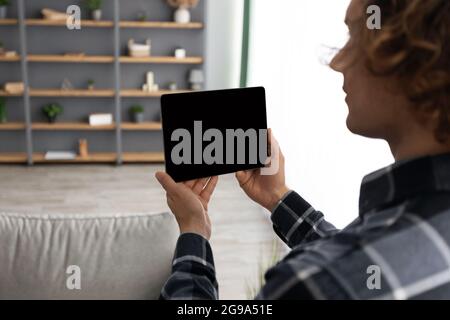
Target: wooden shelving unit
[{"x": 117, "y": 95}]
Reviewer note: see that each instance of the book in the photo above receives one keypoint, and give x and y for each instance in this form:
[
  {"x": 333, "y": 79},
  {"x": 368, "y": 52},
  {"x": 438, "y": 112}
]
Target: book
[
  {"x": 60, "y": 155},
  {"x": 100, "y": 119}
]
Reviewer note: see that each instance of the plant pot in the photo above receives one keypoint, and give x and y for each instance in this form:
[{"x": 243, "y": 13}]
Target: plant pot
[
  {"x": 51, "y": 119},
  {"x": 96, "y": 15},
  {"x": 91, "y": 87},
  {"x": 137, "y": 117},
  {"x": 3, "y": 12},
  {"x": 3, "y": 118},
  {"x": 182, "y": 15}
]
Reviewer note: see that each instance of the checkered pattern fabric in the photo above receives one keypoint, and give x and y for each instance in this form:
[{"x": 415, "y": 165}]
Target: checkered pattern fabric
[{"x": 397, "y": 248}]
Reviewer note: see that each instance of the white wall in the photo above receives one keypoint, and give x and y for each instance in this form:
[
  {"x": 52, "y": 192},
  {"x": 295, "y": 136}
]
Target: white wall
[
  {"x": 306, "y": 108},
  {"x": 224, "y": 41}
]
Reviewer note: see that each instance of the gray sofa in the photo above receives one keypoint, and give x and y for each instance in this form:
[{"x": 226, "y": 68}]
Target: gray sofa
[{"x": 85, "y": 256}]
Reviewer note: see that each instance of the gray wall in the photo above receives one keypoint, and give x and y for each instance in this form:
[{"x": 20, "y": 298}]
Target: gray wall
[{"x": 94, "y": 41}]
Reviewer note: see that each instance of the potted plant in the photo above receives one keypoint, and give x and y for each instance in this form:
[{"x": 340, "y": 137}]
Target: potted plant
[
  {"x": 182, "y": 14},
  {"x": 2, "y": 110},
  {"x": 2, "y": 48},
  {"x": 52, "y": 111},
  {"x": 4, "y": 8},
  {"x": 94, "y": 6},
  {"x": 137, "y": 113},
  {"x": 141, "y": 16},
  {"x": 91, "y": 84}
]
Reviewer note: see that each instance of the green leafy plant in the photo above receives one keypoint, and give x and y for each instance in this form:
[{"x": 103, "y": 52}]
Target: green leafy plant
[
  {"x": 137, "y": 108},
  {"x": 265, "y": 264},
  {"x": 2, "y": 110},
  {"x": 93, "y": 5},
  {"x": 91, "y": 84},
  {"x": 1, "y": 44},
  {"x": 52, "y": 111},
  {"x": 4, "y": 3}
]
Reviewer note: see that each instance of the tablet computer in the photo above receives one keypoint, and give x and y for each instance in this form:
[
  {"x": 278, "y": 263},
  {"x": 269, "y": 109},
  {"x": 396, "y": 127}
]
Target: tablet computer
[{"x": 209, "y": 133}]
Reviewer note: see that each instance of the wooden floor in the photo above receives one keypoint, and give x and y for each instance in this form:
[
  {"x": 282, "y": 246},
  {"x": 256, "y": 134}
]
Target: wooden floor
[{"x": 242, "y": 234}]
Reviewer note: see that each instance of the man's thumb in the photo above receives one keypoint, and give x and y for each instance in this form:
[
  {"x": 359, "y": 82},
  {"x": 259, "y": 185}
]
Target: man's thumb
[{"x": 166, "y": 181}]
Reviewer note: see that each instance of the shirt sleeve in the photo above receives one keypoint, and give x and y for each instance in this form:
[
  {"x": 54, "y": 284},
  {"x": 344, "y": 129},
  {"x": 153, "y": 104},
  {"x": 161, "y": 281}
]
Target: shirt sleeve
[
  {"x": 296, "y": 222},
  {"x": 193, "y": 273}
]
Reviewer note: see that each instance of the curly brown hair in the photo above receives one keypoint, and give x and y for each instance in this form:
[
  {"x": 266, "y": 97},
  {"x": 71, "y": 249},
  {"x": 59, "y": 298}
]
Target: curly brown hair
[{"x": 413, "y": 46}]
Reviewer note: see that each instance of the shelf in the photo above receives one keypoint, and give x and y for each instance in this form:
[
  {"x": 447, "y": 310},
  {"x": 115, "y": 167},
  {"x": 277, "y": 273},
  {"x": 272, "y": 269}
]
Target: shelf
[
  {"x": 69, "y": 58},
  {"x": 61, "y": 126},
  {"x": 70, "y": 126},
  {"x": 8, "y": 22},
  {"x": 77, "y": 93},
  {"x": 3, "y": 93},
  {"x": 145, "y": 126},
  {"x": 162, "y": 59},
  {"x": 95, "y": 93},
  {"x": 136, "y": 93},
  {"x": 161, "y": 25},
  {"x": 13, "y": 157},
  {"x": 143, "y": 157},
  {"x": 3, "y": 58},
  {"x": 110, "y": 24},
  {"x": 12, "y": 126},
  {"x": 109, "y": 157},
  {"x": 103, "y": 59},
  {"x": 59, "y": 23},
  {"x": 91, "y": 158}
]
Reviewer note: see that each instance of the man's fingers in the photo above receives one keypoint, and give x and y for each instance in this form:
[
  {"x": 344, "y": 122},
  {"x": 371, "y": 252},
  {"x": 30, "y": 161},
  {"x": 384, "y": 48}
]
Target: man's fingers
[
  {"x": 166, "y": 181},
  {"x": 244, "y": 176},
  {"x": 199, "y": 185},
  {"x": 190, "y": 183},
  {"x": 209, "y": 189}
]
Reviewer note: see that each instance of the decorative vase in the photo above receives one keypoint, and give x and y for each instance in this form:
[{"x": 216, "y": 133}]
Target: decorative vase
[
  {"x": 51, "y": 119},
  {"x": 138, "y": 117},
  {"x": 182, "y": 15},
  {"x": 3, "y": 12},
  {"x": 97, "y": 15}
]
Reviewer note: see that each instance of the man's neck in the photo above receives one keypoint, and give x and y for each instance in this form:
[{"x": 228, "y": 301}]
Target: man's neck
[{"x": 417, "y": 144}]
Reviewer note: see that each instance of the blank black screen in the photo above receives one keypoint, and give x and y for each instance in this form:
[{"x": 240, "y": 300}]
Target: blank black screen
[{"x": 222, "y": 109}]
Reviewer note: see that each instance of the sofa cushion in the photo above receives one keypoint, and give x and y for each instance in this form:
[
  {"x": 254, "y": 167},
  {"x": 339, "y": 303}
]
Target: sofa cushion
[{"x": 114, "y": 256}]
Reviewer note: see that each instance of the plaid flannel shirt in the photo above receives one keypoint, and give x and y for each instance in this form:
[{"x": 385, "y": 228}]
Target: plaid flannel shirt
[{"x": 397, "y": 248}]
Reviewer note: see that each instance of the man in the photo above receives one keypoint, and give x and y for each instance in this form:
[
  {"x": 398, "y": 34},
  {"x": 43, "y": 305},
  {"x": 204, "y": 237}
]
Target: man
[{"x": 397, "y": 81}]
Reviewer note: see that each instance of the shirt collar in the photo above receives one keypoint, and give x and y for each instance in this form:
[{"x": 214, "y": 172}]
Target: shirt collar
[{"x": 404, "y": 180}]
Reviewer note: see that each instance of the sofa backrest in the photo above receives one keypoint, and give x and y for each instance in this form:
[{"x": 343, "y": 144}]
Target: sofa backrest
[{"x": 85, "y": 256}]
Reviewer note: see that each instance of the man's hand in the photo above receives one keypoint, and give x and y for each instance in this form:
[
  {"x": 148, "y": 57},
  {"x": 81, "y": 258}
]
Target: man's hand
[
  {"x": 189, "y": 202},
  {"x": 265, "y": 190}
]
